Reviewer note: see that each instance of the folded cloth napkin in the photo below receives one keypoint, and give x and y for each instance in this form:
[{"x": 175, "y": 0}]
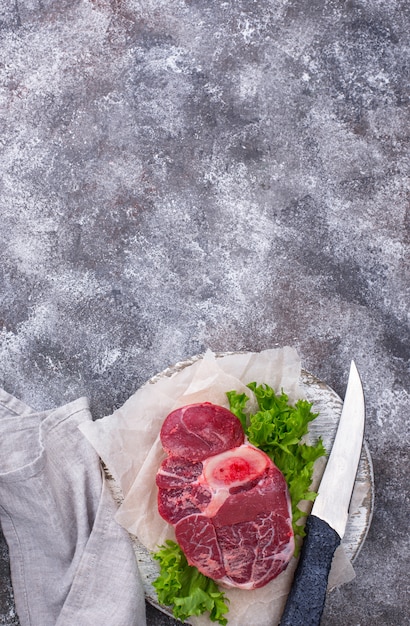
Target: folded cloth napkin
[{"x": 71, "y": 563}]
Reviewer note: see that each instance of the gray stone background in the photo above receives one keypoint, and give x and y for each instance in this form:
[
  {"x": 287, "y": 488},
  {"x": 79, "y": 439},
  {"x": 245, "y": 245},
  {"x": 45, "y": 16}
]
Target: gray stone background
[{"x": 179, "y": 175}]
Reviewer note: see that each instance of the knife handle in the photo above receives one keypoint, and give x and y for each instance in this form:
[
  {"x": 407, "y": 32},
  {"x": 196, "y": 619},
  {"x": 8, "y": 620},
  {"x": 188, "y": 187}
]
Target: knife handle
[{"x": 306, "y": 599}]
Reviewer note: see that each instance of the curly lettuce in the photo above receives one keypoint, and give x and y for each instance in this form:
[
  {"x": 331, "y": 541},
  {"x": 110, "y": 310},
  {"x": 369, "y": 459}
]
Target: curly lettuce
[{"x": 184, "y": 588}]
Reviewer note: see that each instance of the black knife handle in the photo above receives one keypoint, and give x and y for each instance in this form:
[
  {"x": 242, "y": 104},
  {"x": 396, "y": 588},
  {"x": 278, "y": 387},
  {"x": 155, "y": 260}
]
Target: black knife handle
[{"x": 306, "y": 600}]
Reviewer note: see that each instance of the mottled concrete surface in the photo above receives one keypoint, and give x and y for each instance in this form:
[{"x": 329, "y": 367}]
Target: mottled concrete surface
[{"x": 185, "y": 174}]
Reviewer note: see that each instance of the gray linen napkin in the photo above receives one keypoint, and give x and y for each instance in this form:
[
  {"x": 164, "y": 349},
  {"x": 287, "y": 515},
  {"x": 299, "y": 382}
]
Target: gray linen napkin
[{"x": 71, "y": 563}]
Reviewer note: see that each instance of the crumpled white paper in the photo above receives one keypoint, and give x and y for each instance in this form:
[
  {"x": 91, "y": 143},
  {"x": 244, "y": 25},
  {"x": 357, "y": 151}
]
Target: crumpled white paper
[{"x": 128, "y": 443}]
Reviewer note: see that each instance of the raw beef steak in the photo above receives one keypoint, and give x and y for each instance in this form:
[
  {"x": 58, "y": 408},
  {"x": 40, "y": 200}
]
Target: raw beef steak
[{"x": 228, "y": 502}]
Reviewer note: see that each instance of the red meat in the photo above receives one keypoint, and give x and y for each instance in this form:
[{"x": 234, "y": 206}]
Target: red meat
[
  {"x": 228, "y": 502},
  {"x": 197, "y": 431}
]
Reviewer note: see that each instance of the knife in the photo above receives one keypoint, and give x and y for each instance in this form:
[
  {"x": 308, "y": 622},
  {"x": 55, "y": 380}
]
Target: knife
[{"x": 325, "y": 526}]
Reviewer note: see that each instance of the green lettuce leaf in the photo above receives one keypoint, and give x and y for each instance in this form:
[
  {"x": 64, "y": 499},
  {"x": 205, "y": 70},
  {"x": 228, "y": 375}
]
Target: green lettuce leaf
[{"x": 185, "y": 589}]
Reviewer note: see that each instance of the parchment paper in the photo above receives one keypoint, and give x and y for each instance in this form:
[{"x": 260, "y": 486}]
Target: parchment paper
[{"x": 128, "y": 443}]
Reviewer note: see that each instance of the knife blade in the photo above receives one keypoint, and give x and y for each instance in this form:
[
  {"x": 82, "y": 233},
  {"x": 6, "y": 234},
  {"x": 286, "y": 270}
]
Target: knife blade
[{"x": 325, "y": 526}]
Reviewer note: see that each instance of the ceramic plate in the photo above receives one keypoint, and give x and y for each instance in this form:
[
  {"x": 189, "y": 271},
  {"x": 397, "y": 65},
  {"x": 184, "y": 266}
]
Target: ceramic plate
[{"x": 328, "y": 404}]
